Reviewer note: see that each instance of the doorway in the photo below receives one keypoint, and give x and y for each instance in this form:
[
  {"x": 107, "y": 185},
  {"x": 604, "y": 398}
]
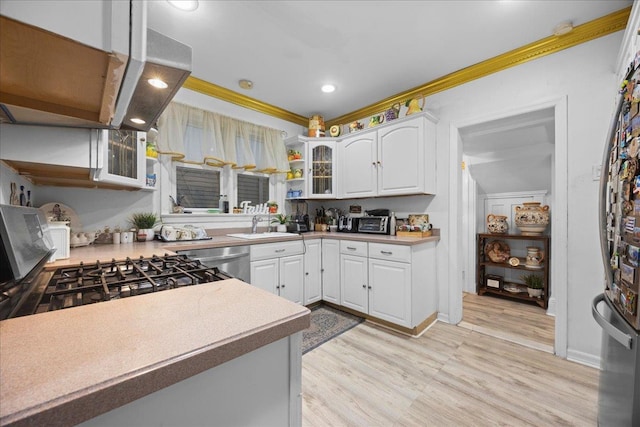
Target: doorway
[{"x": 505, "y": 150}]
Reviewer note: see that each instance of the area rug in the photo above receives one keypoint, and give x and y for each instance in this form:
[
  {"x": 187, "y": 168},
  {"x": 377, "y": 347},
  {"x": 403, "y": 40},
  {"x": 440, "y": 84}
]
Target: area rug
[{"x": 326, "y": 323}]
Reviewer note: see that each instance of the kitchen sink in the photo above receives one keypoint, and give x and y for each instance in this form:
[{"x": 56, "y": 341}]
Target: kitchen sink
[{"x": 265, "y": 235}]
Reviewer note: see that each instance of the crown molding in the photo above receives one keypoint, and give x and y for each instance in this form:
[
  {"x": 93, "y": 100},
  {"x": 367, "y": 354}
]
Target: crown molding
[
  {"x": 202, "y": 86},
  {"x": 588, "y": 31},
  {"x": 591, "y": 30}
]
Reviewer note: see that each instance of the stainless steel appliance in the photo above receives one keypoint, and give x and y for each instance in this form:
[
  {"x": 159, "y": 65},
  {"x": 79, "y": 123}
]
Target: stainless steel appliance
[
  {"x": 616, "y": 310},
  {"x": 348, "y": 224},
  {"x": 232, "y": 260},
  {"x": 25, "y": 288},
  {"x": 374, "y": 224},
  {"x": 25, "y": 246}
]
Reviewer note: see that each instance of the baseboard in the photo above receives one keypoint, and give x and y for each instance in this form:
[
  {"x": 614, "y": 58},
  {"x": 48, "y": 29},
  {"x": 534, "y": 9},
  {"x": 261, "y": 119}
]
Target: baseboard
[
  {"x": 442, "y": 317},
  {"x": 551, "y": 308},
  {"x": 582, "y": 358}
]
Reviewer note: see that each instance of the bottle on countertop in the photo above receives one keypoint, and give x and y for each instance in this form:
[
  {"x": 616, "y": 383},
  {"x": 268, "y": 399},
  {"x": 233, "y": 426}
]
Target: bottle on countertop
[
  {"x": 392, "y": 224},
  {"x": 225, "y": 204}
]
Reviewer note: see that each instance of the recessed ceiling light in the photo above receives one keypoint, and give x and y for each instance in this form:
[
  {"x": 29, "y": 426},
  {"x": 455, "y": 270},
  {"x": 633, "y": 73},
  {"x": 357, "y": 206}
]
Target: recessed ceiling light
[
  {"x": 245, "y": 84},
  {"x": 158, "y": 83},
  {"x": 187, "y": 5},
  {"x": 328, "y": 88},
  {"x": 563, "y": 28},
  {"x": 138, "y": 121}
]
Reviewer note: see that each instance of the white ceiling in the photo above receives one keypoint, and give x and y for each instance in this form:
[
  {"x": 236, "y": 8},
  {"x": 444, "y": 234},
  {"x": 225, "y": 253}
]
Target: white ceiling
[
  {"x": 370, "y": 50},
  {"x": 511, "y": 154}
]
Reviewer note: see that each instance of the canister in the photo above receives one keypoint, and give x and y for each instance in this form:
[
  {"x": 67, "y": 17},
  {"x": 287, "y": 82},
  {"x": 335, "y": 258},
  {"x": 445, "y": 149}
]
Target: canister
[
  {"x": 316, "y": 126},
  {"x": 60, "y": 234}
]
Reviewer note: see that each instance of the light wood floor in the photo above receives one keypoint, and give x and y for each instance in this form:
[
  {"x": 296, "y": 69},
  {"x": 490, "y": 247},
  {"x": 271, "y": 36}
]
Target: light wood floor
[
  {"x": 526, "y": 324},
  {"x": 450, "y": 376}
]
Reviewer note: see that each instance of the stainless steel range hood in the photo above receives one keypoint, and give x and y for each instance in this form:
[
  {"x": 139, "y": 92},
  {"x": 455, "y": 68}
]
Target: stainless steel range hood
[{"x": 48, "y": 79}]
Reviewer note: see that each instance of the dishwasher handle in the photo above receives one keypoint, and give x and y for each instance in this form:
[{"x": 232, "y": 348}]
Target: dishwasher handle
[
  {"x": 618, "y": 335},
  {"x": 205, "y": 260}
]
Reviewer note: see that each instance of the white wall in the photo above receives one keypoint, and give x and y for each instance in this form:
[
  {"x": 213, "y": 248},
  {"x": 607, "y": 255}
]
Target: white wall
[{"x": 585, "y": 74}]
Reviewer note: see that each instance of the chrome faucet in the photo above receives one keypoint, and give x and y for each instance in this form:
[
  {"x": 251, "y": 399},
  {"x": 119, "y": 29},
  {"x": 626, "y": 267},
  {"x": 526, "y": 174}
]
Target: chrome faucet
[{"x": 254, "y": 224}]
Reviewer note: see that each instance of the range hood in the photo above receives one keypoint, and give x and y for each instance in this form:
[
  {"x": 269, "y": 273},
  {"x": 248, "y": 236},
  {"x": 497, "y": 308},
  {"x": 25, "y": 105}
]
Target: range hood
[{"x": 48, "y": 79}]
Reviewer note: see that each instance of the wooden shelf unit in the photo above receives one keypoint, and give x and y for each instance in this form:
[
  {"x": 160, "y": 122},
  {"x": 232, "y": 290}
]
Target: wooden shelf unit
[{"x": 482, "y": 262}]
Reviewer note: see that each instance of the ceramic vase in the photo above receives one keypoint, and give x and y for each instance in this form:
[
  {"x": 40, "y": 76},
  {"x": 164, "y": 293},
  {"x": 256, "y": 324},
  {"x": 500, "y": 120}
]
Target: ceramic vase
[
  {"x": 534, "y": 257},
  {"x": 534, "y": 293},
  {"x": 497, "y": 224},
  {"x": 531, "y": 218},
  {"x": 148, "y": 233}
]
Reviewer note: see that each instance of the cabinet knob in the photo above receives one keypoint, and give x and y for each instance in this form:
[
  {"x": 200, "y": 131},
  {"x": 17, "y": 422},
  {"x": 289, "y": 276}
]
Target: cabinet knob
[
  {"x": 306, "y": 274},
  {"x": 277, "y": 286},
  {"x": 282, "y": 286},
  {"x": 373, "y": 163},
  {"x": 379, "y": 164},
  {"x": 369, "y": 287},
  {"x": 364, "y": 286}
]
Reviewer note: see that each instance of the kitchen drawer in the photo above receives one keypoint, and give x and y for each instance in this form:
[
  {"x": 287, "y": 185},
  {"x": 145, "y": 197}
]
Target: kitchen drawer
[
  {"x": 275, "y": 250},
  {"x": 399, "y": 253},
  {"x": 353, "y": 248}
]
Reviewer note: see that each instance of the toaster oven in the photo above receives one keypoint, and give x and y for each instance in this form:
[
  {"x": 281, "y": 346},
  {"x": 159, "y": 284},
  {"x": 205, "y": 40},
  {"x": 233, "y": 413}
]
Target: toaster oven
[{"x": 374, "y": 224}]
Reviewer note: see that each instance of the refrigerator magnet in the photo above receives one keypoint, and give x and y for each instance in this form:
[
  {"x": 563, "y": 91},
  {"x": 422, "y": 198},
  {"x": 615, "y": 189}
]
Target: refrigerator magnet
[{"x": 627, "y": 272}]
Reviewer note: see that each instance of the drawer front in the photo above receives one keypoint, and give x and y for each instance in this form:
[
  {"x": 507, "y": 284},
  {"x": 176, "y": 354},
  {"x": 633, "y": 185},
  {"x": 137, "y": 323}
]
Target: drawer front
[
  {"x": 399, "y": 253},
  {"x": 275, "y": 250},
  {"x": 353, "y": 248}
]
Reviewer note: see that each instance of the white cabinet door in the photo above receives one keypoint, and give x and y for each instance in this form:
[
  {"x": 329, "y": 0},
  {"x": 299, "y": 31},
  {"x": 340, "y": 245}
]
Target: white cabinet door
[
  {"x": 313, "y": 271},
  {"x": 121, "y": 157},
  {"x": 331, "y": 271},
  {"x": 353, "y": 277},
  {"x": 401, "y": 154},
  {"x": 265, "y": 275},
  {"x": 321, "y": 172},
  {"x": 291, "y": 278},
  {"x": 358, "y": 165},
  {"x": 390, "y": 291}
]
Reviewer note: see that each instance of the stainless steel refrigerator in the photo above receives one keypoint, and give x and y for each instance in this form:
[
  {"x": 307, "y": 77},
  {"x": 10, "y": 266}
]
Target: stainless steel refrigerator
[{"x": 616, "y": 309}]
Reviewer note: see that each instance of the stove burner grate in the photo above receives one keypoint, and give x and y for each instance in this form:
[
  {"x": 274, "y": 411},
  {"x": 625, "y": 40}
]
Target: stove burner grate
[{"x": 97, "y": 282}]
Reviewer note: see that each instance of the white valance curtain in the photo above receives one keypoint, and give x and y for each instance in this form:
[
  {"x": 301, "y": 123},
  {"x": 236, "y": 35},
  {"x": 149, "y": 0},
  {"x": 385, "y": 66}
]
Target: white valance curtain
[{"x": 192, "y": 135}]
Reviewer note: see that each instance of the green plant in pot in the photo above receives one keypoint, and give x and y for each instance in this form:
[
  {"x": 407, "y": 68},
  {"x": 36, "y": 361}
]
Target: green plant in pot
[
  {"x": 534, "y": 284},
  {"x": 282, "y": 220},
  {"x": 144, "y": 223}
]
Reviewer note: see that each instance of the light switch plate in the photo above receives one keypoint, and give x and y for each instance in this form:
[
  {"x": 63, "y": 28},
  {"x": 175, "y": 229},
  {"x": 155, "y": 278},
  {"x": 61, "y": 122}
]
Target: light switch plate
[{"x": 595, "y": 172}]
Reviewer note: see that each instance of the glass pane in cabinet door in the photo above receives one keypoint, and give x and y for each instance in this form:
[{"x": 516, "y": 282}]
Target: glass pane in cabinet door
[
  {"x": 123, "y": 153},
  {"x": 322, "y": 170}
]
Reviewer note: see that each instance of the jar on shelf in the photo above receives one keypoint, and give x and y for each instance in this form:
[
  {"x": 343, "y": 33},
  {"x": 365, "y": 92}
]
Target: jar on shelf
[
  {"x": 497, "y": 224},
  {"x": 531, "y": 218}
]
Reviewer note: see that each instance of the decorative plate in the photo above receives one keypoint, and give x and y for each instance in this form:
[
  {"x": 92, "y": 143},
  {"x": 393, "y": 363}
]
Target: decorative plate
[
  {"x": 334, "y": 130},
  {"x": 59, "y": 212},
  {"x": 497, "y": 251}
]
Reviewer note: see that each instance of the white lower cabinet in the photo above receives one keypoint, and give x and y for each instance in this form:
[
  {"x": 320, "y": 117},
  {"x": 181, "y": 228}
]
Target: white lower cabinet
[
  {"x": 279, "y": 268},
  {"x": 390, "y": 291},
  {"x": 312, "y": 271},
  {"x": 331, "y": 271},
  {"x": 353, "y": 276}
]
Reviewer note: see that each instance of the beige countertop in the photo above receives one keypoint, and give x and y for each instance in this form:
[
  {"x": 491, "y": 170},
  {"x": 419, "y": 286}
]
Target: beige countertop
[
  {"x": 107, "y": 252},
  {"x": 63, "y": 367}
]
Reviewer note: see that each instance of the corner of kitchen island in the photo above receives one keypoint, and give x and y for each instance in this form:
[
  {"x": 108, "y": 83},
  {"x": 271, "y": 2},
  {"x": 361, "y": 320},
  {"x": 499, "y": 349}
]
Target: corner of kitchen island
[{"x": 214, "y": 353}]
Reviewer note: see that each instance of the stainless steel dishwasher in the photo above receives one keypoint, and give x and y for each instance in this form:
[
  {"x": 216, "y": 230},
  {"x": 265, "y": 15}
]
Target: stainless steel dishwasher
[{"x": 233, "y": 260}]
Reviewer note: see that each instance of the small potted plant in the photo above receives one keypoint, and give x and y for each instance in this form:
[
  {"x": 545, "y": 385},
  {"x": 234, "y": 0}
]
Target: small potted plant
[
  {"x": 273, "y": 206},
  {"x": 144, "y": 223},
  {"x": 534, "y": 284},
  {"x": 282, "y": 220}
]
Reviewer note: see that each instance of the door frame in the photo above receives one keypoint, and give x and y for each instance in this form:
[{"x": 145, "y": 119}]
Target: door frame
[{"x": 466, "y": 207}]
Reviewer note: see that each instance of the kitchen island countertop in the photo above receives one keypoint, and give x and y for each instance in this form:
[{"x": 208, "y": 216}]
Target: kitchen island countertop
[{"x": 63, "y": 367}]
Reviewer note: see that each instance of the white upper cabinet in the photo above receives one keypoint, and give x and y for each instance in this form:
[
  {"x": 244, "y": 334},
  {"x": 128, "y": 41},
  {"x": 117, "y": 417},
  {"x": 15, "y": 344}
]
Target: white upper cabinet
[
  {"x": 321, "y": 172},
  {"x": 102, "y": 24},
  {"x": 358, "y": 165},
  {"x": 394, "y": 159}
]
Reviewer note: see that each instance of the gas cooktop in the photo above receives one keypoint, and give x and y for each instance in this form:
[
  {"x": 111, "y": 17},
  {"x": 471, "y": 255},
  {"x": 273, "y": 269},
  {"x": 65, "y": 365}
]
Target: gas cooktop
[{"x": 105, "y": 281}]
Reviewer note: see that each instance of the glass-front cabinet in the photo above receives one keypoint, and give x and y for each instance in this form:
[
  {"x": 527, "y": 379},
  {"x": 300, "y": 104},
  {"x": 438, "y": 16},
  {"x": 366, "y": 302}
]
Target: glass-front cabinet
[
  {"x": 321, "y": 168},
  {"x": 121, "y": 158}
]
